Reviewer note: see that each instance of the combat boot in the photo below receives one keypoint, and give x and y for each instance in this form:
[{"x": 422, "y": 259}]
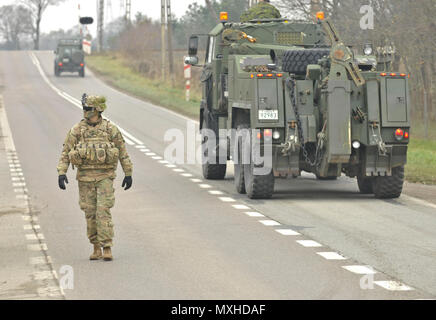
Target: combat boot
[
  {"x": 107, "y": 254},
  {"x": 96, "y": 255}
]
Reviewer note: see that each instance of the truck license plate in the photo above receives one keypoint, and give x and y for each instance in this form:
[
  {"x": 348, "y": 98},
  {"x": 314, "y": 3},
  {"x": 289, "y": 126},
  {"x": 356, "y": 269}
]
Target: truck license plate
[{"x": 268, "y": 114}]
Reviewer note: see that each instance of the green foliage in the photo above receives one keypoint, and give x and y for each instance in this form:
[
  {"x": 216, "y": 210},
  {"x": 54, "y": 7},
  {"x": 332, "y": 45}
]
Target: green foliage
[
  {"x": 421, "y": 163},
  {"x": 115, "y": 72}
]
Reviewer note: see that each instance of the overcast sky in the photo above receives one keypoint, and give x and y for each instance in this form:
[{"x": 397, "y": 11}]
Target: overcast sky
[{"x": 65, "y": 16}]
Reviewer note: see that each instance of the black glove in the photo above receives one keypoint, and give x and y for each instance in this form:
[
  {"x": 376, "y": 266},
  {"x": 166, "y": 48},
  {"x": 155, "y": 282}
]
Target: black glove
[
  {"x": 127, "y": 182},
  {"x": 62, "y": 180}
]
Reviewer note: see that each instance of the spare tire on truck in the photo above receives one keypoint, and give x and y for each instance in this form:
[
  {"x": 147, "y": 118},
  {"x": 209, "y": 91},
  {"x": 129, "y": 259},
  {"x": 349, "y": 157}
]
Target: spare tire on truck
[{"x": 296, "y": 61}]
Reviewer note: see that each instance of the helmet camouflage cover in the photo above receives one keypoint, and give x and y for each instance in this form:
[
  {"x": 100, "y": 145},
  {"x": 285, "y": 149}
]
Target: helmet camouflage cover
[{"x": 97, "y": 102}]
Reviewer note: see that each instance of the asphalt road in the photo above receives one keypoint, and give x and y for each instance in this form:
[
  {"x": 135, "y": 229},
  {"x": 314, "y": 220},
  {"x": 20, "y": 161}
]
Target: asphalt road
[{"x": 175, "y": 239}]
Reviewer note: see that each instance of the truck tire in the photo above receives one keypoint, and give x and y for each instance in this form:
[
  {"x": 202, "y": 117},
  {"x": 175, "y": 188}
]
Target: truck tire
[
  {"x": 56, "y": 71},
  {"x": 238, "y": 167},
  {"x": 389, "y": 187},
  {"x": 82, "y": 73},
  {"x": 214, "y": 171},
  {"x": 365, "y": 184},
  {"x": 296, "y": 61},
  {"x": 258, "y": 186}
]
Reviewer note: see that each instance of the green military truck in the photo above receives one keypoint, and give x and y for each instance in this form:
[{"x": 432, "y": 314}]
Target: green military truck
[
  {"x": 307, "y": 100},
  {"x": 69, "y": 57}
]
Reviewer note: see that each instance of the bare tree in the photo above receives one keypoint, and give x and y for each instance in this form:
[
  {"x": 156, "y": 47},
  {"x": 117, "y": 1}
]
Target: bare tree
[
  {"x": 37, "y": 7},
  {"x": 15, "y": 21}
]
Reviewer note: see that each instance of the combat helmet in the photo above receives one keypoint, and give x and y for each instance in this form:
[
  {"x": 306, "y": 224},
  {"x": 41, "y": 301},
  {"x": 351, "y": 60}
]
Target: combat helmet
[{"x": 90, "y": 103}]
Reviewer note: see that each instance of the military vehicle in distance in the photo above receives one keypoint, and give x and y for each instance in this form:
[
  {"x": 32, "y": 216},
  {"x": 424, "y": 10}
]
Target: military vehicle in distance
[
  {"x": 325, "y": 109},
  {"x": 69, "y": 57}
]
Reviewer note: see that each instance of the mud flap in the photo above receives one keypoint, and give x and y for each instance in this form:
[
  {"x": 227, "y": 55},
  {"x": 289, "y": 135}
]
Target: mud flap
[{"x": 339, "y": 121}]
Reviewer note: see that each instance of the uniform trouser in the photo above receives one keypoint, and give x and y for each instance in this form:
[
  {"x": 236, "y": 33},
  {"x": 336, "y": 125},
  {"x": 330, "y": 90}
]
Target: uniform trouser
[{"x": 96, "y": 199}]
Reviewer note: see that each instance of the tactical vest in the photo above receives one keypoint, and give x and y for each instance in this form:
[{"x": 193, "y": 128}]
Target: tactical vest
[{"x": 94, "y": 150}]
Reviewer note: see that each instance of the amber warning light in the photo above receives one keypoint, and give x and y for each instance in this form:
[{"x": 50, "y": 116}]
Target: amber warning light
[
  {"x": 320, "y": 15},
  {"x": 224, "y": 16}
]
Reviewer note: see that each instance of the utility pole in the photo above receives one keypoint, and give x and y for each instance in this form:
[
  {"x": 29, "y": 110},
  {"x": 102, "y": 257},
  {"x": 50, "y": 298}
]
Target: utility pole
[
  {"x": 100, "y": 16},
  {"x": 163, "y": 49},
  {"x": 128, "y": 11},
  {"x": 170, "y": 43}
]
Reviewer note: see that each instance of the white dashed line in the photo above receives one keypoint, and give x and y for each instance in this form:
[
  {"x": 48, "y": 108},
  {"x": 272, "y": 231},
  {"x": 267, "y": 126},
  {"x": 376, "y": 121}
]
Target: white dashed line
[
  {"x": 187, "y": 175},
  {"x": 150, "y": 154},
  {"x": 33, "y": 236},
  {"x": 254, "y": 214},
  {"x": 240, "y": 207},
  {"x": 157, "y": 158},
  {"x": 43, "y": 275},
  {"x": 269, "y": 223},
  {"x": 226, "y": 199},
  {"x": 331, "y": 255},
  {"x": 31, "y": 227},
  {"x": 360, "y": 269},
  {"x": 215, "y": 192},
  {"x": 22, "y": 196},
  {"x": 393, "y": 285},
  {"x": 163, "y": 161},
  {"x": 145, "y": 150},
  {"x": 37, "y": 247},
  {"x": 205, "y": 186},
  {"x": 178, "y": 170},
  {"x": 287, "y": 232},
  {"x": 196, "y": 180},
  {"x": 309, "y": 243},
  {"x": 171, "y": 166},
  {"x": 29, "y": 218},
  {"x": 40, "y": 260},
  {"x": 19, "y": 184}
]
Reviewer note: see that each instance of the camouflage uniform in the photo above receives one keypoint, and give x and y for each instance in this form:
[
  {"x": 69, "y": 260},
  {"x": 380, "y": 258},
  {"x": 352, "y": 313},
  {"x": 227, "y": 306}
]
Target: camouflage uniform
[
  {"x": 263, "y": 10},
  {"x": 96, "y": 179}
]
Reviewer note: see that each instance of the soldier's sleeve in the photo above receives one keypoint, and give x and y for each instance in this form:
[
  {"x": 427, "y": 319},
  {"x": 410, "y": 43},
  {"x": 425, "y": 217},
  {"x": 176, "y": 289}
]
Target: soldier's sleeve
[
  {"x": 64, "y": 161},
  {"x": 118, "y": 140}
]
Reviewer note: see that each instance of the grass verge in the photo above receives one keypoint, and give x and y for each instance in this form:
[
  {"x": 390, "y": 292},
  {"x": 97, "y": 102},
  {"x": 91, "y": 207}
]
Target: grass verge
[
  {"x": 421, "y": 166},
  {"x": 114, "y": 71},
  {"x": 421, "y": 161}
]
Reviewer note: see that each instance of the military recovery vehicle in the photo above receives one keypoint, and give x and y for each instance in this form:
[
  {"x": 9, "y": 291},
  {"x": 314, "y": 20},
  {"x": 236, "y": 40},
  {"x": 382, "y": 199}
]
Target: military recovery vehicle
[
  {"x": 69, "y": 57},
  {"x": 322, "y": 107}
]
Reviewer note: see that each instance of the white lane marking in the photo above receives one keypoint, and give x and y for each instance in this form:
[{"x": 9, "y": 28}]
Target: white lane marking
[
  {"x": 16, "y": 174},
  {"x": 40, "y": 260},
  {"x": 29, "y": 218},
  {"x": 196, "y": 180},
  {"x": 287, "y": 232},
  {"x": 187, "y": 175},
  {"x": 17, "y": 179},
  {"x": 16, "y": 170},
  {"x": 171, "y": 166},
  {"x": 150, "y": 154},
  {"x": 22, "y": 196},
  {"x": 19, "y": 184},
  {"x": 393, "y": 285},
  {"x": 360, "y": 269},
  {"x": 226, "y": 199},
  {"x": 145, "y": 150},
  {"x": 178, "y": 170},
  {"x": 205, "y": 186},
  {"x": 127, "y": 136},
  {"x": 331, "y": 255},
  {"x": 31, "y": 227},
  {"x": 140, "y": 146},
  {"x": 215, "y": 192},
  {"x": 269, "y": 223},
  {"x": 254, "y": 214},
  {"x": 33, "y": 236},
  {"x": 163, "y": 162},
  {"x": 20, "y": 190},
  {"x": 43, "y": 275},
  {"x": 240, "y": 207},
  {"x": 157, "y": 158},
  {"x": 50, "y": 292},
  {"x": 37, "y": 247},
  {"x": 309, "y": 243}
]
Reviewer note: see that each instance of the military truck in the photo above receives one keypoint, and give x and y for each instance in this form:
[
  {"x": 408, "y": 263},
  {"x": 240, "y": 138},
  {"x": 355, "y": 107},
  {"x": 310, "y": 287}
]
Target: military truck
[
  {"x": 321, "y": 107},
  {"x": 69, "y": 57}
]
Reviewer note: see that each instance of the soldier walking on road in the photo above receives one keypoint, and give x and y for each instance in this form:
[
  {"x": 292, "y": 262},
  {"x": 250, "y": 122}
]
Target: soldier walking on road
[
  {"x": 262, "y": 10},
  {"x": 95, "y": 146}
]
